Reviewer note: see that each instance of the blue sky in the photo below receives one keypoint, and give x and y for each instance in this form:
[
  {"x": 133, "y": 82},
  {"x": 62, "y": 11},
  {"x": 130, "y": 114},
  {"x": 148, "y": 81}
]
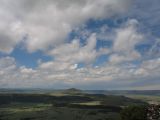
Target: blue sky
[{"x": 87, "y": 44}]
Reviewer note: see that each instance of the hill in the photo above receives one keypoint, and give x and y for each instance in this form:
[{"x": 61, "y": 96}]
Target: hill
[{"x": 72, "y": 91}]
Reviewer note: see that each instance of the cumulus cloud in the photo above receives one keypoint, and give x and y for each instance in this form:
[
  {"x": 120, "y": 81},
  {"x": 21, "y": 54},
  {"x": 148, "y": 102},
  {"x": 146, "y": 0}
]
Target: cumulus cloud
[
  {"x": 10, "y": 33},
  {"x": 150, "y": 67},
  {"x": 75, "y": 53},
  {"x": 49, "y": 76},
  {"x": 125, "y": 41},
  {"x": 46, "y": 23},
  {"x": 69, "y": 55}
]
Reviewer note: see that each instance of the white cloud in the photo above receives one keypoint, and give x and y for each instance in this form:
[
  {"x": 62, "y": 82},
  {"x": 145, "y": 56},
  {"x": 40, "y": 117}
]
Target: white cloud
[
  {"x": 150, "y": 67},
  {"x": 48, "y": 22},
  {"x": 50, "y": 76},
  {"x": 10, "y": 34},
  {"x": 125, "y": 41},
  {"x": 7, "y": 64},
  {"x": 25, "y": 70},
  {"x": 76, "y": 53}
]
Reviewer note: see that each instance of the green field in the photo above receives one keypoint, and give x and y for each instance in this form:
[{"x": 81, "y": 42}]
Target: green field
[
  {"x": 147, "y": 98},
  {"x": 68, "y": 105},
  {"x": 46, "y": 112}
]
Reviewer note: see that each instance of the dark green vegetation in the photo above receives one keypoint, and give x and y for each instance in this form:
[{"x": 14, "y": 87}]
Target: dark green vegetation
[
  {"x": 70, "y": 104},
  {"x": 134, "y": 113}
]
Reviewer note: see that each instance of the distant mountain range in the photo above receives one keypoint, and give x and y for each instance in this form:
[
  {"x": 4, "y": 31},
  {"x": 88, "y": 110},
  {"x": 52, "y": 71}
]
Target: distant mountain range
[
  {"x": 125, "y": 92},
  {"x": 77, "y": 91}
]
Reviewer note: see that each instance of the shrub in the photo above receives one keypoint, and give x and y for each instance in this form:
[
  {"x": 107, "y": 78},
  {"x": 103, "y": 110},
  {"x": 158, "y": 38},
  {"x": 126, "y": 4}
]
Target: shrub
[{"x": 134, "y": 113}]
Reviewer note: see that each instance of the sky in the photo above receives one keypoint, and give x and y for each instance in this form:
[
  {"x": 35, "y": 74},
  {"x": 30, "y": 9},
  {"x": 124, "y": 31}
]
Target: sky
[{"x": 85, "y": 44}]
